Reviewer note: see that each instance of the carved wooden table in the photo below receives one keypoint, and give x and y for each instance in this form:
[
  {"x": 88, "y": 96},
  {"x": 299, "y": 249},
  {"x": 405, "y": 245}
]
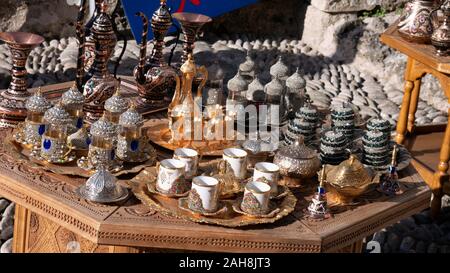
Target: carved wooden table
[
  {"x": 50, "y": 217},
  {"x": 422, "y": 60}
]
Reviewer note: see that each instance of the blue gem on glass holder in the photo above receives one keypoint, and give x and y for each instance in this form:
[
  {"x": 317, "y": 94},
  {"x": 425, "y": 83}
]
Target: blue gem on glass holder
[
  {"x": 88, "y": 141},
  {"x": 41, "y": 129},
  {"x": 47, "y": 144},
  {"x": 134, "y": 145},
  {"x": 79, "y": 123}
]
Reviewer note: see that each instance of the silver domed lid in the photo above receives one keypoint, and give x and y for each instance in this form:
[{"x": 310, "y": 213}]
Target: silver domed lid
[
  {"x": 102, "y": 186},
  {"x": 255, "y": 90},
  {"x": 103, "y": 128},
  {"x": 215, "y": 72},
  {"x": 237, "y": 83},
  {"x": 279, "y": 69},
  {"x": 274, "y": 87},
  {"x": 37, "y": 103},
  {"x": 248, "y": 65},
  {"x": 57, "y": 115},
  {"x": 117, "y": 103},
  {"x": 72, "y": 97},
  {"x": 131, "y": 117},
  {"x": 296, "y": 81}
]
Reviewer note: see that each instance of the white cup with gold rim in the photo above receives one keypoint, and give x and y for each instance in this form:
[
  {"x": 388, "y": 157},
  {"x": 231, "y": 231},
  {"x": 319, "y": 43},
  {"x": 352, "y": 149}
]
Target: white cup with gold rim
[
  {"x": 204, "y": 194},
  {"x": 256, "y": 198},
  {"x": 237, "y": 158},
  {"x": 171, "y": 177},
  {"x": 190, "y": 158},
  {"x": 267, "y": 172}
]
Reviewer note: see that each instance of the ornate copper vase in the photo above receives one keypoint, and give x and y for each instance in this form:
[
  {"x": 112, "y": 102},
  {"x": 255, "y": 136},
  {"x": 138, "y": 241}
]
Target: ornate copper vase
[
  {"x": 12, "y": 100},
  {"x": 416, "y": 24},
  {"x": 153, "y": 76},
  {"x": 190, "y": 25},
  {"x": 102, "y": 84}
]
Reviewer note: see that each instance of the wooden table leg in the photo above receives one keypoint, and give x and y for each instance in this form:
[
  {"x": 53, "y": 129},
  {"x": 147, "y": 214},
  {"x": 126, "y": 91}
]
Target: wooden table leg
[
  {"x": 404, "y": 110},
  {"x": 413, "y": 105},
  {"x": 441, "y": 176}
]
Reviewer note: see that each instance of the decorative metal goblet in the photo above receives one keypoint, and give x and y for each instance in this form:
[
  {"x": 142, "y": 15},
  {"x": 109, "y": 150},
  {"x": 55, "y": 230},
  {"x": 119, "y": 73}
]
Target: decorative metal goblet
[
  {"x": 12, "y": 100},
  {"x": 190, "y": 25}
]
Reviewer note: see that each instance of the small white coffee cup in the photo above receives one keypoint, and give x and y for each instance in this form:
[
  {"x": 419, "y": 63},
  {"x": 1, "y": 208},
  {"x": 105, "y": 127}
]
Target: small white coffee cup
[
  {"x": 237, "y": 158},
  {"x": 256, "y": 198},
  {"x": 267, "y": 172},
  {"x": 171, "y": 177},
  {"x": 204, "y": 194},
  {"x": 190, "y": 158}
]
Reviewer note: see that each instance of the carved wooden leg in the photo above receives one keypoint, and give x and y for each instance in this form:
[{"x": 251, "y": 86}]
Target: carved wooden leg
[
  {"x": 403, "y": 117},
  {"x": 441, "y": 176},
  {"x": 413, "y": 105}
]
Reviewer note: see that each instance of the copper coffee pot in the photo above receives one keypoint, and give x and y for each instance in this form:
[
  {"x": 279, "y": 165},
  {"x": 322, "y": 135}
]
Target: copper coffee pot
[{"x": 154, "y": 77}]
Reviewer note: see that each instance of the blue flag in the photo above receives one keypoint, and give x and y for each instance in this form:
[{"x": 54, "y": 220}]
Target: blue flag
[{"x": 211, "y": 8}]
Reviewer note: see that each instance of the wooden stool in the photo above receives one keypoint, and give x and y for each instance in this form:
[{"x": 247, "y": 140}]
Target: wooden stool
[{"x": 421, "y": 61}]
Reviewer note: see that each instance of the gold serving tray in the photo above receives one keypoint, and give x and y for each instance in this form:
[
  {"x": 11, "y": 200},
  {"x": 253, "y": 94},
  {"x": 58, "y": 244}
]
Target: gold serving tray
[
  {"x": 22, "y": 152},
  {"x": 229, "y": 218},
  {"x": 158, "y": 133}
]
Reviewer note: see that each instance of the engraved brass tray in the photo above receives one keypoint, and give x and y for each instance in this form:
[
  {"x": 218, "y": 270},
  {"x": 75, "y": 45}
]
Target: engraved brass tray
[
  {"x": 22, "y": 152},
  {"x": 158, "y": 132},
  {"x": 169, "y": 207}
]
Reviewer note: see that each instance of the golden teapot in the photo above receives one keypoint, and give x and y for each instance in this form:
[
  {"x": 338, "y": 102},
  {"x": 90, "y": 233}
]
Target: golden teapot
[{"x": 348, "y": 180}]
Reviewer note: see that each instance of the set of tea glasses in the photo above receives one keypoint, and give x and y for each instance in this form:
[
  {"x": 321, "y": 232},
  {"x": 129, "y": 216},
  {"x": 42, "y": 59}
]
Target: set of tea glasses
[{"x": 176, "y": 177}]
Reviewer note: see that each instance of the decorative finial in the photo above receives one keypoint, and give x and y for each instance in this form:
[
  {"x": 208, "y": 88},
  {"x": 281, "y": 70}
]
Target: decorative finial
[
  {"x": 39, "y": 91},
  {"x": 352, "y": 159},
  {"x": 394, "y": 155},
  {"x": 322, "y": 176}
]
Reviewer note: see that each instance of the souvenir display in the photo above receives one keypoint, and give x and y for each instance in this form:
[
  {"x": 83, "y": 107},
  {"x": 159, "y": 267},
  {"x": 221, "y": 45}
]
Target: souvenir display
[
  {"x": 153, "y": 75},
  {"x": 115, "y": 106},
  {"x": 247, "y": 69},
  {"x": 54, "y": 148},
  {"x": 13, "y": 99},
  {"x": 34, "y": 126},
  {"x": 295, "y": 92},
  {"x": 297, "y": 161},
  {"x": 102, "y": 187},
  {"x": 72, "y": 100},
  {"x": 375, "y": 149},
  {"x": 440, "y": 37},
  {"x": 318, "y": 207},
  {"x": 333, "y": 147},
  {"x": 389, "y": 183},
  {"x": 348, "y": 180}
]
